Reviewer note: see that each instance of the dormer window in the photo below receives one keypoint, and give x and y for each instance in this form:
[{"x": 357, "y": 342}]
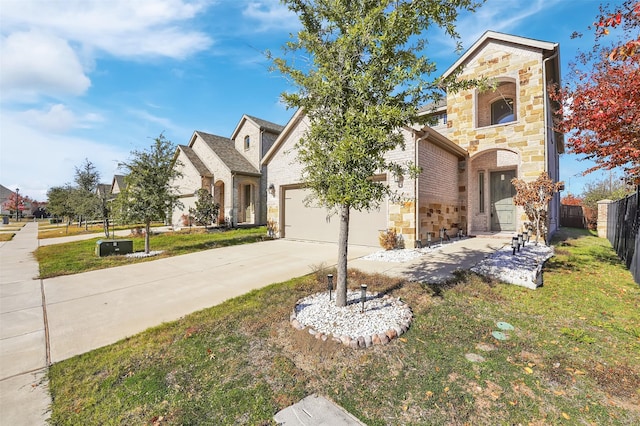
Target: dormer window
[
  {"x": 247, "y": 142},
  {"x": 498, "y": 106}
]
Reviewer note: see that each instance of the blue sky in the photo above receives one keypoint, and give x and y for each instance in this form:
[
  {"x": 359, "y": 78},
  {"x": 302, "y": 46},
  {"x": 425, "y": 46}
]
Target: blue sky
[{"x": 97, "y": 79}]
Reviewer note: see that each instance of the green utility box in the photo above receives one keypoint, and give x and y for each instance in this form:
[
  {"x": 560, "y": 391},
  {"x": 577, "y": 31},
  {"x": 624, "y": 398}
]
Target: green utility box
[{"x": 109, "y": 247}]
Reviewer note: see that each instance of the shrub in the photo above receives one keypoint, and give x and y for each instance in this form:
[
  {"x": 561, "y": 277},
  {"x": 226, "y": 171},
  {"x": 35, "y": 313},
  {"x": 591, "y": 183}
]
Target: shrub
[{"x": 390, "y": 239}]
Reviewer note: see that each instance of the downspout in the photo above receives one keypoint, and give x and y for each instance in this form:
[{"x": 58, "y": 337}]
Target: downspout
[
  {"x": 545, "y": 103},
  {"x": 416, "y": 191},
  {"x": 546, "y": 130}
]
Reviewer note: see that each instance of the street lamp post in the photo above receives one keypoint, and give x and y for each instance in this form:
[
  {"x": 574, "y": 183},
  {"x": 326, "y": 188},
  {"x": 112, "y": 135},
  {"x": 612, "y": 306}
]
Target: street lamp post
[{"x": 17, "y": 204}]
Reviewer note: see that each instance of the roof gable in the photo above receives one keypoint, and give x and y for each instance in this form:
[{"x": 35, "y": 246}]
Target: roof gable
[
  {"x": 226, "y": 151},
  {"x": 195, "y": 160},
  {"x": 265, "y": 125},
  {"x": 493, "y": 36},
  {"x": 293, "y": 122}
]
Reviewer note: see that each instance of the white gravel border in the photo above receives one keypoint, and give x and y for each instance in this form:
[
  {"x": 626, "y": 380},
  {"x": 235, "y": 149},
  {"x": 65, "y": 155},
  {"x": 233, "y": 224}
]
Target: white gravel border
[{"x": 523, "y": 269}]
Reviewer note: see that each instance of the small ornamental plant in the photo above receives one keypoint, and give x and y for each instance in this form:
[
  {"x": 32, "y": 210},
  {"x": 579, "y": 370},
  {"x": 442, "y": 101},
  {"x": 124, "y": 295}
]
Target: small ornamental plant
[{"x": 389, "y": 239}]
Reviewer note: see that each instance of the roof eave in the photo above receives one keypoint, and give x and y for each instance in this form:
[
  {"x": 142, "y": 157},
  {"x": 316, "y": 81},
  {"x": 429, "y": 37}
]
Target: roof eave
[{"x": 493, "y": 35}]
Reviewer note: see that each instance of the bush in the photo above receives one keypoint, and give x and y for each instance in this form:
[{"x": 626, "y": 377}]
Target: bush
[{"x": 390, "y": 240}]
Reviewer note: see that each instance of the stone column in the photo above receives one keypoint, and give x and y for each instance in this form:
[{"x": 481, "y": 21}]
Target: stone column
[{"x": 603, "y": 213}]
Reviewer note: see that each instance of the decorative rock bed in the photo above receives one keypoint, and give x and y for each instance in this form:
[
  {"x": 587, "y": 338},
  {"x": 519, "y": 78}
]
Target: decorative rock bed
[{"x": 384, "y": 319}]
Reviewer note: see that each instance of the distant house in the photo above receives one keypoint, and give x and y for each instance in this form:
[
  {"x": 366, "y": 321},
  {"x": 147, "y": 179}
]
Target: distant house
[
  {"x": 5, "y": 194},
  {"x": 479, "y": 141},
  {"x": 117, "y": 185},
  {"x": 230, "y": 169}
]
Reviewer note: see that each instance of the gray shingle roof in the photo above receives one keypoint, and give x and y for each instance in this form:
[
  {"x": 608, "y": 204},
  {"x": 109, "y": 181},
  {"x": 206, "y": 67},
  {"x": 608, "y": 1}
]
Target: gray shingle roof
[
  {"x": 266, "y": 125},
  {"x": 195, "y": 160},
  {"x": 226, "y": 151}
]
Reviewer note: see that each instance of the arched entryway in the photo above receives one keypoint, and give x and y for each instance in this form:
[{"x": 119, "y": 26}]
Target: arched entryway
[{"x": 491, "y": 191}]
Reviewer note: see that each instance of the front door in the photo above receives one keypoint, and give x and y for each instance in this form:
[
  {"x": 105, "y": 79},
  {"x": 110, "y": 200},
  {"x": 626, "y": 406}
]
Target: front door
[{"x": 502, "y": 191}]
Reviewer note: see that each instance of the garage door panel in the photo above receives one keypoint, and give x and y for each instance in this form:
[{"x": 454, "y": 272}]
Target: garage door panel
[{"x": 316, "y": 224}]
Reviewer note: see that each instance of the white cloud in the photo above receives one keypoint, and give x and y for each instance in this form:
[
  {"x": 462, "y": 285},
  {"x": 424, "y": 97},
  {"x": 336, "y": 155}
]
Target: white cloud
[
  {"x": 58, "y": 119},
  {"x": 121, "y": 28},
  {"x": 35, "y": 160},
  {"x": 271, "y": 15},
  {"x": 34, "y": 62},
  {"x": 496, "y": 15}
]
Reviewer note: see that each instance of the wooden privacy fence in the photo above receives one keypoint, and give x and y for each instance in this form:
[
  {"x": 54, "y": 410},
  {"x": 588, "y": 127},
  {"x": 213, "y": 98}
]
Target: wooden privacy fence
[
  {"x": 572, "y": 216},
  {"x": 578, "y": 217},
  {"x": 623, "y": 220}
]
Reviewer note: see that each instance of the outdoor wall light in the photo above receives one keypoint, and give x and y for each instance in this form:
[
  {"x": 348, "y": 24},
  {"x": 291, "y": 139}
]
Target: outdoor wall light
[
  {"x": 520, "y": 241},
  {"x": 399, "y": 180},
  {"x": 330, "y": 284},
  {"x": 363, "y": 294},
  {"x": 272, "y": 190},
  {"x": 514, "y": 244}
]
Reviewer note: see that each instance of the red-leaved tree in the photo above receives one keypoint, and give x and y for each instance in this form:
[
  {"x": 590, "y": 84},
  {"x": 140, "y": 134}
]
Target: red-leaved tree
[
  {"x": 571, "y": 200},
  {"x": 15, "y": 203},
  {"x": 601, "y": 104},
  {"x": 535, "y": 196}
]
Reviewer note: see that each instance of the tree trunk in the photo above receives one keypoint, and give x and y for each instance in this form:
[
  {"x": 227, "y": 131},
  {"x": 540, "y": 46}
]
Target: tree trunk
[
  {"x": 147, "y": 228},
  {"x": 343, "y": 240}
]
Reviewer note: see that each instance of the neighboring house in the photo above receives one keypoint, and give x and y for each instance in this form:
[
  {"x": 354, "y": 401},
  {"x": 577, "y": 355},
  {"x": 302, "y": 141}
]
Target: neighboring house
[
  {"x": 5, "y": 194},
  {"x": 477, "y": 144},
  {"x": 117, "y": 185},
  {"x": 230, "y": 168},
  {"x": 103, "y": 191}
]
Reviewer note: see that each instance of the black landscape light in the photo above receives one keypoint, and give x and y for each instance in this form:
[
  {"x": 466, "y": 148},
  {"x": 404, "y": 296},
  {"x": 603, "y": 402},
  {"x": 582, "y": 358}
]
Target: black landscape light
[
  {"x": 429, "y": 239},
  {"x": 363, "y": 294},
  {"x": 520, "y": 241},
  {"x": 330, "y": 284},
  {"x": 514, "y": 244},
  {"x": 527, "y": 234}
]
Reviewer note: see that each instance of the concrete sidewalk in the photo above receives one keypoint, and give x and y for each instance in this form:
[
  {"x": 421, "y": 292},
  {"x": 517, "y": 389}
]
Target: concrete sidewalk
[{"x": 24, "y": 395}]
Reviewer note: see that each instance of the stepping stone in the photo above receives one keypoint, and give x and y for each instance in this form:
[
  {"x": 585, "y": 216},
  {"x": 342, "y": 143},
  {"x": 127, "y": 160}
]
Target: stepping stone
[
  {"x": 499, "y": 335},
  {"x": 474, "y": 357},
  {"x": 486, "y": 347},
  {"x": 505, "y": 326}
]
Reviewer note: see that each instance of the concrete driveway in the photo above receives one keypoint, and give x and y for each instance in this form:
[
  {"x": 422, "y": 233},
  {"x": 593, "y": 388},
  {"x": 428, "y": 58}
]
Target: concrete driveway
[{"x": 93, "y": 309}]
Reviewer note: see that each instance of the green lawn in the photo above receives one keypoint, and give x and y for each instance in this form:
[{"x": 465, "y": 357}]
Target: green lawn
[
  {"x": 574, "y": 357},
  {"x": 79, "y": 256}
]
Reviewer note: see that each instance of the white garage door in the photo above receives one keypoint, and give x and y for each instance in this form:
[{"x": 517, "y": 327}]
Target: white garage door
[{"x": 313, "y": 223}]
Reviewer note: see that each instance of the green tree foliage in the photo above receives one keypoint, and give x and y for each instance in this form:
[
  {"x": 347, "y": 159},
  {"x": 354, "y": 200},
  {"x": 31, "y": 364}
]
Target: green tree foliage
[
  {"x": 149, "y": 195},
  {"x": 86, "y": 202},
  {"x": 605, "y": 189},
  {"x": 364, "y": 79},
  {"x": 61, "y": 202},
  {"x": 206, "y": 210}
]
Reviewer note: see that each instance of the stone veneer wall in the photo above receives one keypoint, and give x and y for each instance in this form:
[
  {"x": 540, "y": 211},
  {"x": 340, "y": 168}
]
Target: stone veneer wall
[{"x": 526, "y": 135}]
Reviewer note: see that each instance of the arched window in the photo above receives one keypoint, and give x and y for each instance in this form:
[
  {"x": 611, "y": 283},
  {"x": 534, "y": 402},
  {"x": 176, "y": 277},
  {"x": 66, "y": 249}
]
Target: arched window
[
  {"x": 247, "y": 142},
  {"x": 502, "y": 111},
  {"x": 498, "y": 106}
]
